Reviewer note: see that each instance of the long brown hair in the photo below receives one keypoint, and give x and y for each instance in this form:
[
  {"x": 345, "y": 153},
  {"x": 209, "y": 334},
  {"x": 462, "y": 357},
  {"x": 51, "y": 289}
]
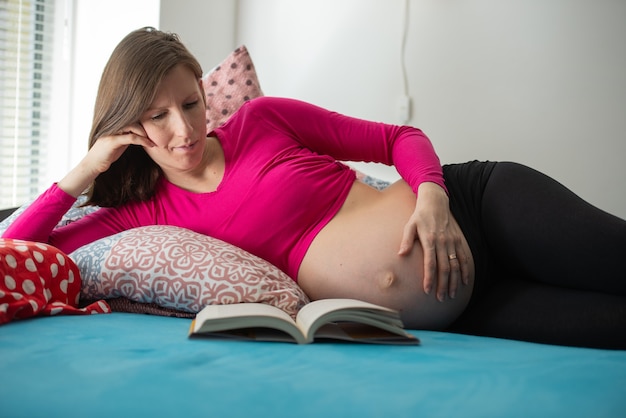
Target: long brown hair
[{"x": 127, "y": 88}]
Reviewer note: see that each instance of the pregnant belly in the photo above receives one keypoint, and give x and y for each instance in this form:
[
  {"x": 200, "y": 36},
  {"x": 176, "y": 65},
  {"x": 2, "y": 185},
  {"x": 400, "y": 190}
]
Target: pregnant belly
[{"x": 356, "y": 256}]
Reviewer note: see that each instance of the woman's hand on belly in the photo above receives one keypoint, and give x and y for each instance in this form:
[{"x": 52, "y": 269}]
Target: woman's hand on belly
[
  {"x": 356, "y": 256},
  {"x": 446, "y": 251}
]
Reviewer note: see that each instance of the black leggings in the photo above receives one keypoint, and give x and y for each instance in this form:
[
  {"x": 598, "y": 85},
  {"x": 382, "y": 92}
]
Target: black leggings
[{"x": 550, "y": 267}]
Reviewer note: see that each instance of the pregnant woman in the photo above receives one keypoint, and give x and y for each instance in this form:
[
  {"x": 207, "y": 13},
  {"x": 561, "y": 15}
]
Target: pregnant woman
[{"x": 482, "y": 247}]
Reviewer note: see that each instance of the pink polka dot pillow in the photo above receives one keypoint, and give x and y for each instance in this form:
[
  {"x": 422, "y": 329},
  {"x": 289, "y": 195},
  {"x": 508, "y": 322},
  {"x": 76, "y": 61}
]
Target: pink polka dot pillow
[
  {"x": 229, "y": 85},
  {"x": 180, "y": 269},
  {"x": 38, "y": 279}
]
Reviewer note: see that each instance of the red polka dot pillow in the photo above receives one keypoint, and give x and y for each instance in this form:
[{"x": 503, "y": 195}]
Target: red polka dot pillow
[
  {"x": 39, "y": 279},
  {"x": 179, "y": 269},
  {"x": 229, "y": 85}
]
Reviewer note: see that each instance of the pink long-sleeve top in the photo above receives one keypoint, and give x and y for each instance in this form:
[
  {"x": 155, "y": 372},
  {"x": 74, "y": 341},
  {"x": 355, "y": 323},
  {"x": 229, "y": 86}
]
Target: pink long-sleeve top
[{"x": 282, "y": 184}]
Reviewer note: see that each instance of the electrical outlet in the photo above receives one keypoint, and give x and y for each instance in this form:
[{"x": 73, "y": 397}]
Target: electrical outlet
[{"x": 404, "y": 110}]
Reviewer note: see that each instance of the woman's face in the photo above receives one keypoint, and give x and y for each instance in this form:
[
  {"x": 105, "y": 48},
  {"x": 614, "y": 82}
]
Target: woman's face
[{"x": 176, "y": 123}]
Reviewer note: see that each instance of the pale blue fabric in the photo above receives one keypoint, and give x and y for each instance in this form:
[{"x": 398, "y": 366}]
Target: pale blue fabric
[{"x": 132, "y": 365}]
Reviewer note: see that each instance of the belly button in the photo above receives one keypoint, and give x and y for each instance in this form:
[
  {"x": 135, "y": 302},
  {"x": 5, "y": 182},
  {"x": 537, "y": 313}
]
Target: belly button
[{"x": 387, "y": 280}]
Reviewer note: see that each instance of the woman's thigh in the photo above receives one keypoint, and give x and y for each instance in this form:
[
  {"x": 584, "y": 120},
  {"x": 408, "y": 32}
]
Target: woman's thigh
[
  {"x": 540, "y": 230},
  {"x": 530, "y": 311}
]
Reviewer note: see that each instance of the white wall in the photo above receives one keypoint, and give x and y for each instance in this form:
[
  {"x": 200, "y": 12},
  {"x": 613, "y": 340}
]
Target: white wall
[
  {"x": 539, "y": 82},
  {"x": 542, "y": 83},
  {"x": 345, "y": 55},
  {"x": 207, "y": 27}
]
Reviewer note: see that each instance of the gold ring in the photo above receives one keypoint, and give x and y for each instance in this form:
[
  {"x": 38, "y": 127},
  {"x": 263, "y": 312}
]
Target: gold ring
[{"x": 452, "y": 257}]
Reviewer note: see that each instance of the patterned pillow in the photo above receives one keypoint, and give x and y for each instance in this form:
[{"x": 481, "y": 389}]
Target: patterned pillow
[
  {"x": 39, "y": 279},
  {"x": 229, "y": 85},
  {"x": 180, "y": 269},
  {"x": 376, "y": 183}
]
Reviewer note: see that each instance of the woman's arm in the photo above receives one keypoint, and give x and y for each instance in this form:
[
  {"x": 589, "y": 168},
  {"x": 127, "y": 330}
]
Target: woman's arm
[
  {"x": 38, "y": 221},
  {"x": 41, "y": 216},
  {"x": 351, "y": 139},
  {"x": 446, "y": 252}
]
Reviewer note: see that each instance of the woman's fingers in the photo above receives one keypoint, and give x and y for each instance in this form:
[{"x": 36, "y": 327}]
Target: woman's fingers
[
  {"x": 430, "y": 259},
  {"x": 135, "y": 128},
  {"x": 457, "y": 260},
  {"x": 430, "y": 267},
  {"x": 409, "y": 234},
  {"x": 449, "y": 268},
  {"x": 462, "y": 252},
  {"x": 137, "y": 135},
  {"x": 444, "y": 271},
  {"x": 446, "y": 261},
  {"x": 464, "y": 264},
  {"x": 107, "y": 149},
  {"x": 454, "y": 256}
]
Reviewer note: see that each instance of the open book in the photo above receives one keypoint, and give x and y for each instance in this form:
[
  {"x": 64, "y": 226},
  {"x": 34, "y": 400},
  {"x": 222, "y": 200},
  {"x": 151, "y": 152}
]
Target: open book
[{"x": 334, "y": 319}]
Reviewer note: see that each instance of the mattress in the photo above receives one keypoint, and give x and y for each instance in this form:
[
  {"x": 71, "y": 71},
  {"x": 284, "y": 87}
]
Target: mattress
[{"x": 125, "y": 364}]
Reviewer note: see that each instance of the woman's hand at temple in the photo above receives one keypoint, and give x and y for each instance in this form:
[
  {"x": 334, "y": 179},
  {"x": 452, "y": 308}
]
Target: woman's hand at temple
[
  {"x": 446, "y": 252},
  {"x": 104, "y": 152}
]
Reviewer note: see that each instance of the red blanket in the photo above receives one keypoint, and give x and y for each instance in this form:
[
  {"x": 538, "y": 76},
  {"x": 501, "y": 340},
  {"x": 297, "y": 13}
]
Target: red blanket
[{"x": 39, "y": 279}]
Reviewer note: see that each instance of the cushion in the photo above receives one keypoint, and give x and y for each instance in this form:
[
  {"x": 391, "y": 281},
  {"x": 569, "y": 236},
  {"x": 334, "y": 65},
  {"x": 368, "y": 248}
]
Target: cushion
[
  {"x": 39, "y": 279},
  {"x": 180, "y": 269},
  {"x": 374, "y": 182},
  {"x": 228, "y": 86}
]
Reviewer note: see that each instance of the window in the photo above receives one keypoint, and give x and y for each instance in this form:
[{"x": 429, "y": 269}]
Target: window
[{"x": 26, "y": 46}]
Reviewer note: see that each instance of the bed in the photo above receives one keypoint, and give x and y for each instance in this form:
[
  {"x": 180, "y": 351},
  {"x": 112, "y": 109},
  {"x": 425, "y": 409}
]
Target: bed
[{"x": 104, "y": 332}]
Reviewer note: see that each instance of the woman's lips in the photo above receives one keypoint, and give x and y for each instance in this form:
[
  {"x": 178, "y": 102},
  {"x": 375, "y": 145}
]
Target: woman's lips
[{"x": 186, "y": 147}]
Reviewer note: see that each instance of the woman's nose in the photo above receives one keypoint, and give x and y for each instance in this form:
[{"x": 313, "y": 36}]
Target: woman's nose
[{"x": 183, "y": 127}]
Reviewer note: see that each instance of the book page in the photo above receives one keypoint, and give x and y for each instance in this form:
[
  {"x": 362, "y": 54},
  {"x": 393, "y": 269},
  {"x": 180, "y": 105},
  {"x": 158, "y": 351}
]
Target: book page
[
  {"x": 238, "y": 310},
  {"x": 251, "y": 334},
  {"x": 215, "y": 318},
  {"x": 360, "y": 333},
  {"x": 315, "y": 313}
]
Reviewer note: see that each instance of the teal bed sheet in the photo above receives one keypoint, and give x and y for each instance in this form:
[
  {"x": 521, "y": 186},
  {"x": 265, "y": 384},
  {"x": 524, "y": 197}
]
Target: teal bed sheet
[{"x": 132, "y": 365}]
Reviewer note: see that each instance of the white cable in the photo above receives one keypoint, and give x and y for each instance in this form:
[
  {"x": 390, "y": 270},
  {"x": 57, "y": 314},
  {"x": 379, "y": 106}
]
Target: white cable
[
  {"x": 405, "y": 30},
  {"x": 404, "y": 103}
]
